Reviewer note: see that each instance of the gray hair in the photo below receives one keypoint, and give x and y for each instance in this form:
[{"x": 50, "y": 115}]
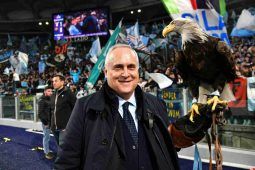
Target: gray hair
[{"x": 107, "y": 58}]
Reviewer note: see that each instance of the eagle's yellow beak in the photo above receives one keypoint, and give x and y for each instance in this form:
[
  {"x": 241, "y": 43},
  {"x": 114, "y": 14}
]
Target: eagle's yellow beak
[{"x": 168, "y": 29}]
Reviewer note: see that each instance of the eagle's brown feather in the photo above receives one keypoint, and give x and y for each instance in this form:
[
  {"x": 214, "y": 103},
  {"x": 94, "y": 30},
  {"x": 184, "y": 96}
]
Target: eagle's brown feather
[{"x": 203, "y": 58}]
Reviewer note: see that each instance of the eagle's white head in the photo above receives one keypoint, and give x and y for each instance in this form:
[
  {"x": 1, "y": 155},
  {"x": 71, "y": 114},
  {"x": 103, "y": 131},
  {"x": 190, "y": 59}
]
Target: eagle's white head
[{"x": 188, "y": 29}]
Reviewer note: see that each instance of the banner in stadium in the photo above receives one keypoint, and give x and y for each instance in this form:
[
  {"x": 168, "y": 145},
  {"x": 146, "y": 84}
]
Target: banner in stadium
[
  {"x": 251, "y": 93},
  {"x": 239, "y": 89},
  {"x": 203, "y": 12},
  {"x": 96, "y": 70},
  {"x": 174, "y": 102},
  {"x": 62, "y": 48},
  {"x": 26, "y": 102}
]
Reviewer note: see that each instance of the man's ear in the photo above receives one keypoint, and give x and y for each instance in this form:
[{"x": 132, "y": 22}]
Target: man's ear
[{"x": 105, "y": 73}]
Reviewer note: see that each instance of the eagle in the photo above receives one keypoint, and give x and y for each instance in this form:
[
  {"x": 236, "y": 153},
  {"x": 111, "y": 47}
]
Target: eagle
[{"x": 204, "y": 62}]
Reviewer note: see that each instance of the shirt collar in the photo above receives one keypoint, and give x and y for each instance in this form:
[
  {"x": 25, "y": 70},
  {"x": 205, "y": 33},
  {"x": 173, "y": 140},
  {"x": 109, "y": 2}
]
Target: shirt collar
[{"x": 131, "y": 100}]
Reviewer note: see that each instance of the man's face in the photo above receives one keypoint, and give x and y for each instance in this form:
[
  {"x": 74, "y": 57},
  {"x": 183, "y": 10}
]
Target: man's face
[
  {"x": 122, "y": 72},
  {"x": 57, "y": 83},
  {"x": 48, "y": 92}
]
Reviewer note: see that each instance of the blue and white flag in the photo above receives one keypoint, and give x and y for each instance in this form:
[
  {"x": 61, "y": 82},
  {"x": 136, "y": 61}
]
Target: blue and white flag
[
  {"x": 9, "y": 42},
  {"x": 19, "y": 62},
  {"x": 242, "y": 33},
  {"x": 134, "y": 39},
  {"x": 203, "y": 12},
  {"x": 246, "y": 20},
  {"x": 23, "y": 45},
  {"x": 251, "y": 93},
  {"x": 133, "y": 30},
  {"x": 197, "y": 164},
  {"x": 41, "y": 66},
  {"x": 245, "y": 26},
  {"x": 144, "y": 39},
  {"x": 32, "y": 45},
  {"x": 5, "y": 55},
  {"x": 95, "y": 50},
  {"x": 133, "y": 35}
]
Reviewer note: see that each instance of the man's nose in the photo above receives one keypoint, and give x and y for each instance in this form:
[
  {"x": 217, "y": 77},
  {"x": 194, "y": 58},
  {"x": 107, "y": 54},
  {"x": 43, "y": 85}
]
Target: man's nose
[{"x": 125, "y": 72}]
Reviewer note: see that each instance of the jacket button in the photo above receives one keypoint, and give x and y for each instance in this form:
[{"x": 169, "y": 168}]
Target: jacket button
[{"x": 104, "y": 142}]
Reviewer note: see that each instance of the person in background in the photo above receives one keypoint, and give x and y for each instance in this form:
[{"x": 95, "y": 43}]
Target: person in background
[
  {"x": 16, "y": 81},
  {"x": 74, "y": 27},
  {"x": 75, "y": 73},
  {"x": 81, "y": 93},
  {"x": 62, "y": 103},
  {"x": 44, "y": 115},
  {"x": 90, "y": 24}
]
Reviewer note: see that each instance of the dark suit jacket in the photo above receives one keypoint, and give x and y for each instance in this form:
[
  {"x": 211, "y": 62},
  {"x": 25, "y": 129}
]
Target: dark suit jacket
[{"x": 94, "y": 138}]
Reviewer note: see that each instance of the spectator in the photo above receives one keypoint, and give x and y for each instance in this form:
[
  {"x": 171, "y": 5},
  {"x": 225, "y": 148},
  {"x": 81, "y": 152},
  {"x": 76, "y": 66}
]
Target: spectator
[
  {"x": 75, "y": 75},
  {"x": 44, "y": 115},
  {"x": 16, "y": 81},
  {"x": 62, "y": 103},
  {"x": 81, "y": 93}
]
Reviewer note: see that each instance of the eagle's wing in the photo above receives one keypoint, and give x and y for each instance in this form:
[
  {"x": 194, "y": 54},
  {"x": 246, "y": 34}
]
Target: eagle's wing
[
  {"x": 227, "y": 60},
  {"x": 186, "y": 73}
]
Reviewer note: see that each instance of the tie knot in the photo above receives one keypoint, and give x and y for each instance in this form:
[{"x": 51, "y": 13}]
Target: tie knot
[{"x": 125, "y": 106}]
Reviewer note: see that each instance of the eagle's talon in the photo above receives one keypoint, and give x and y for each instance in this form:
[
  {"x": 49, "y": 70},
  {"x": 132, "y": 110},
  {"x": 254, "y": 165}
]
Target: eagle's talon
[
  {"x": 194, "y": 110},
  {"x": 215, "y": 101},
  {"x": 191, "y": 118}
]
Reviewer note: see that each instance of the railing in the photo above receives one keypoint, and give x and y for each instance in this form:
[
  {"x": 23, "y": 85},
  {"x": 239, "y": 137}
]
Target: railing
[
  {"x": 238, "y": 132},
  {"x": 7, "y": 107},
  {"x": 19, "y": 108},
  {"x": 20, "y": 111}
]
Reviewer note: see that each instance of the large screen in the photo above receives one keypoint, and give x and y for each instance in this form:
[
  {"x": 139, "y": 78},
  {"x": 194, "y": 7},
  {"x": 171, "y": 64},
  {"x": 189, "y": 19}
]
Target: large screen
[{"x": 81, "y": 23}]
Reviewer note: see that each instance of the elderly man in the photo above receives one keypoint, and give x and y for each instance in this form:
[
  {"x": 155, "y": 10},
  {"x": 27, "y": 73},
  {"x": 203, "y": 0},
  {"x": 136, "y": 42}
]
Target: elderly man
[{"x": 120, "y": 126}]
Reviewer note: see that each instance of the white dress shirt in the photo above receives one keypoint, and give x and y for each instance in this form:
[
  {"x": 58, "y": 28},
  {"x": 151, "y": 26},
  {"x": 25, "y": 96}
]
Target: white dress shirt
[{"x": 131, "y": 108}]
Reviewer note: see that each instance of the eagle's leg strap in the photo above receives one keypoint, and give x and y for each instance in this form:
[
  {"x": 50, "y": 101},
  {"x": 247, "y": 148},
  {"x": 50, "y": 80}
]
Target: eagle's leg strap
[
  {"x": 217, "y": 146},
  {"x": 209, "y": 142},
  {"x": 218, "y": 155}
]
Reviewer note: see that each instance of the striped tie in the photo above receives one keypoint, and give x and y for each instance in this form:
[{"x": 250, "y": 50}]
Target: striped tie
[{"x": 128, "y": 119}]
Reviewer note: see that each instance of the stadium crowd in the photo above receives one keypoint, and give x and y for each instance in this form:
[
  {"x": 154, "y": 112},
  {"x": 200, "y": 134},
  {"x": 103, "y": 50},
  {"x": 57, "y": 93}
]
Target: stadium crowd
[{"x": 78, "y": 66}]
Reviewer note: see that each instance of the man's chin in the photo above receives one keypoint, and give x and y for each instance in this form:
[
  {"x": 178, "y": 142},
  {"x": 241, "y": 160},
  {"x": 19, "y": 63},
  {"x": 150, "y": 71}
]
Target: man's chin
[{"x": 126, "y": 91}]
